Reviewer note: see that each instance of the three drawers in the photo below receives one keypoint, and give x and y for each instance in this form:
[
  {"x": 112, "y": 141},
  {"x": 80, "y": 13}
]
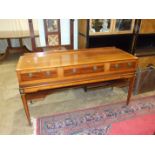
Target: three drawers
[{"x": 71, "y": 71}]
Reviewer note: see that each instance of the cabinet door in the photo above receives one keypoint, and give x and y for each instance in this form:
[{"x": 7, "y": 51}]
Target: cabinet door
[
  {"x": 147, "y": 26},
  {"x": 100, "y": 26},
  {"x": 123, "y": 25}
]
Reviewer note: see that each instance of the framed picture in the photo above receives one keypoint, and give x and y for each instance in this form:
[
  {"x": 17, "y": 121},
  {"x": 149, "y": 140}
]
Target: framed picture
[
  {"x": 52, "y": 25},
  {"x": 100, "y": 25},
  {"x": 123, "y": 24}
]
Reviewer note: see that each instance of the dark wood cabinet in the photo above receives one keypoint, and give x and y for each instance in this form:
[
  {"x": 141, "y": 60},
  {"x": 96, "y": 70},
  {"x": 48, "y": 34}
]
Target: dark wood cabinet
[
  {"x": 137, "y": 36},
  {"x": 147, "y": 26},
  {"x": 105, "y": 32}
]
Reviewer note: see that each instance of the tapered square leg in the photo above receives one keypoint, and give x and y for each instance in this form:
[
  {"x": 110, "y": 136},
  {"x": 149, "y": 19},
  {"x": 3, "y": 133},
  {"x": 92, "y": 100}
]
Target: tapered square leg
[
  {"x": 130, "y": 90},
  {"x": 26, "y": 108}
]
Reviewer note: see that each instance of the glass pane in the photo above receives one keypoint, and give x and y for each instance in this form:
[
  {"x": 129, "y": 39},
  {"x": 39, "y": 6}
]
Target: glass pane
[
  {"x": 52, "y": 25},
  {"x": 100, "y": 25},
  {"x": 123, "y": 24}
]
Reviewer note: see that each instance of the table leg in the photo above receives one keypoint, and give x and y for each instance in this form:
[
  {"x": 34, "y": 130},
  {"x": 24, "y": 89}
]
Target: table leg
[
  {"x": 131, "y": 84},
  {"x": 26, "y": 108}
]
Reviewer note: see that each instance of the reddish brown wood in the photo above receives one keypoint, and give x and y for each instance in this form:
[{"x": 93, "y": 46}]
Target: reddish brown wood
[
  {"x": 71, "y": 33},
  {"x": 47, "y": 33},
  {"x": 25, "y": 104},
  {"x": 39, "y": 75},
  {"x": 131, "y": 85},
  {"x": 74, "y": 68},
  {"x": 32, "y": 35},
  {"x": 122, "y": 66},
  {"x": 85, "y": 69}
]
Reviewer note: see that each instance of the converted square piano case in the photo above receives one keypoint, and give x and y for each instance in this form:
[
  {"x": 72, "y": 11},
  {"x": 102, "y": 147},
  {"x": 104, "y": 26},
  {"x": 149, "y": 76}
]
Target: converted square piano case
[{"x": 52, "y": 70}]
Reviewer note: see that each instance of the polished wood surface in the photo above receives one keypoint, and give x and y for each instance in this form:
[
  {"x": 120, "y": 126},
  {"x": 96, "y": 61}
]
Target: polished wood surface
[
  {"x": 82, "y": 26},
  {"x": 82, "y": 40},
  {"x": 44, "y": 60},
  {"x": 147, "y": 26},
  {"x": 52, "y": 70}
]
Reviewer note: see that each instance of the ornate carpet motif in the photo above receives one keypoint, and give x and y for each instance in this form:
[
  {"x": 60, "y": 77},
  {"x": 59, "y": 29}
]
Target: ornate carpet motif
[{"x": 94, "y": 121}]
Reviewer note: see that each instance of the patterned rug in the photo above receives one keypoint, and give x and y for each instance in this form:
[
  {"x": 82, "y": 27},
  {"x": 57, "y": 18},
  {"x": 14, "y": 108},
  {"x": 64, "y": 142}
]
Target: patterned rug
[{"x": 94, "y": 121}]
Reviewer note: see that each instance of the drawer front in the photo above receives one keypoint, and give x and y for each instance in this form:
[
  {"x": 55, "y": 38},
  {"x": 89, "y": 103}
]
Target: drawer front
[
  {"x": 31, "y": 76},
  {"x": 122, "y": 66},
  {"x": 83, "y": 70}
]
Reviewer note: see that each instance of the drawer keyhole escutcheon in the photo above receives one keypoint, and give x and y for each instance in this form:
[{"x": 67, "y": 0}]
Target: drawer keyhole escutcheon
[{"x": 30, "y": 75}]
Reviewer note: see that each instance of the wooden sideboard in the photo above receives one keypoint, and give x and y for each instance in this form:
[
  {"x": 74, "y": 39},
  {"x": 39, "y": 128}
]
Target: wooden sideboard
[{"x": 44, "y": 71}]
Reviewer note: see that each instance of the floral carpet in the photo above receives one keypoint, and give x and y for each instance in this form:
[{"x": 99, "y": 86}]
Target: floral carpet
[{"x": 96, "y": 120}]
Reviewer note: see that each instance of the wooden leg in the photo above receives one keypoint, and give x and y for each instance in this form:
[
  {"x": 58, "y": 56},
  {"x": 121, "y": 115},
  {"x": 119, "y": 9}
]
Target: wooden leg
[
  {"x": 26, "y": 108},
  {"x": 131, "y": 84}
]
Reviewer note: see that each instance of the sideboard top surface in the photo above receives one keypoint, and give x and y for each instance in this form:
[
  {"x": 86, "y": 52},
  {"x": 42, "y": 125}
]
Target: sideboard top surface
[{"x": 41, "y": 60}]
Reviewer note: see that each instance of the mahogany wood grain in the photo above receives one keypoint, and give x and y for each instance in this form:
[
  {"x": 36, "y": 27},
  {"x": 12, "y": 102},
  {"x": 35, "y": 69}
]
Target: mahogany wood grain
[
  {"x": 38, "y": 75},
  {"x": 73, "y": 68},
  {"x": 32, "y": 34},
  {"x": 72, "y": 57}
]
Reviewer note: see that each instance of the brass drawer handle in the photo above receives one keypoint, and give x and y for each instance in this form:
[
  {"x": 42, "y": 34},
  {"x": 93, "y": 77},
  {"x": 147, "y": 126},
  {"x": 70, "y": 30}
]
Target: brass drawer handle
[
  {"x": 48, "y": 73},
  {"x": 74, "y": 70},
  {"x": 30, "y": 75},
  {"x": 116, "y": 66},
  {"x": 129, "y": 64},
  {"x": 95, "y": 68}
]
